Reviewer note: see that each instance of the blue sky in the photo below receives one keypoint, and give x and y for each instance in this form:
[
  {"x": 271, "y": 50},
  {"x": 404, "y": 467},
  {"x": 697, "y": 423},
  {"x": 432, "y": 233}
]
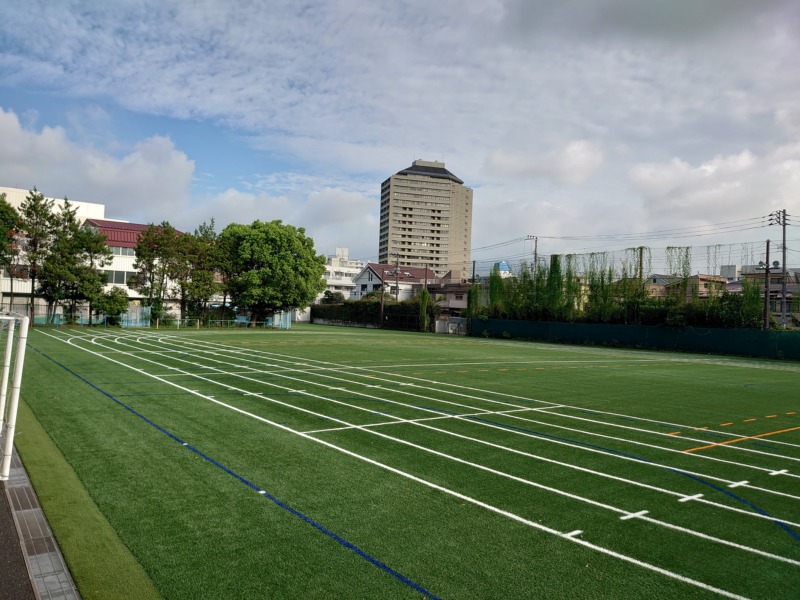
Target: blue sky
[{"x": 593, "y": 119}]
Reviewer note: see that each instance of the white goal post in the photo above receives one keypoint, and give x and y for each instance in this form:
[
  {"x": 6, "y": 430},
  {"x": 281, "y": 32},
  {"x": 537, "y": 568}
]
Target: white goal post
[{"x": 15, "y": 328}]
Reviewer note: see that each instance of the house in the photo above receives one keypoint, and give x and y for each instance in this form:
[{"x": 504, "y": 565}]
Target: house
[
  {"x": 401, "y": 282},
  {"x": 697, "y": 286}
]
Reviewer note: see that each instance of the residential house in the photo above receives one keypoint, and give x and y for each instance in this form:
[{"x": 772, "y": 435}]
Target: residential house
[{"x": 401, "y": 282}]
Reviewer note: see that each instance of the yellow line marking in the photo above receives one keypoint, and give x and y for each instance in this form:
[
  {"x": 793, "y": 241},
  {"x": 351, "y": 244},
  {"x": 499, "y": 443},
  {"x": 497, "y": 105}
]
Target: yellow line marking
[
  {"x": 741, "y": 439},
  {"x": 750, "y": 420},
  {"x": 674, "y": 433},
  {"x": 791, "y": 413},
  {"x": 725, "y": 424},
  {"x": 700, "y": 428},
  {"x": 770, "y": 416}
]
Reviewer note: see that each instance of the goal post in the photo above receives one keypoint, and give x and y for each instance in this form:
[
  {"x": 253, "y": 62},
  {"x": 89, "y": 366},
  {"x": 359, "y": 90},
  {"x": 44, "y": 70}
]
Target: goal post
[{"x": 15, "y": 328}]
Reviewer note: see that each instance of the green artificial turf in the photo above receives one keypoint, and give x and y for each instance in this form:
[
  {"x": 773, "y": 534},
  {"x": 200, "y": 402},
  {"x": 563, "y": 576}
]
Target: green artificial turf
[
  {"x": 100, "y": 564},
  {"x": 372, "y": 489}
]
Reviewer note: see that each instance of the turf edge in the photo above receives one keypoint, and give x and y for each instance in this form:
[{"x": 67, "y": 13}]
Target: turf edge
[{"x": 100, "y": 564}]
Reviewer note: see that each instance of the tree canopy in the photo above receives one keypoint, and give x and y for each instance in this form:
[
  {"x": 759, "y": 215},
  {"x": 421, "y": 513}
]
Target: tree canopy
[{"x": 270, "y": 267}]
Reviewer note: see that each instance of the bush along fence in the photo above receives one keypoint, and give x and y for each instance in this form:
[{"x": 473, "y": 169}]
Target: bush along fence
[{"x": 416, "y": 314}]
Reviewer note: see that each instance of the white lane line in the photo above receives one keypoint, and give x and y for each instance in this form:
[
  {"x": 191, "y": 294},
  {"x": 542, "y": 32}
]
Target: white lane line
[
  {"x": 623, "y": 440},
  {"x": 509, "y": 476},
  {"x": 490, "y": 392},
  {"x": 561, "y": 442},
  {"x": 572, "y": 538}
]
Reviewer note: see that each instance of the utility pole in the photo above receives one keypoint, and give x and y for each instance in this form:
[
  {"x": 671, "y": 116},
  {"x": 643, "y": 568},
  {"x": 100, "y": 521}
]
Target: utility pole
[
  {"x": 766, "y": 291},
  {"x": 383, "y": 292},
  {"x": 779, "y": 218},
  {"x": 397, "y": 278},
  {"x": 641, "y": 263}
]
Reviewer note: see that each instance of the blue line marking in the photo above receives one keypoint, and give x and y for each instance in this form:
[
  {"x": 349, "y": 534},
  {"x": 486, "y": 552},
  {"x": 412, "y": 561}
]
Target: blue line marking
[{"x": 321, "y": 528}]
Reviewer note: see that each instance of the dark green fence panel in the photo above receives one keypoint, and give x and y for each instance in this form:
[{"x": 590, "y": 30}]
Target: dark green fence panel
[{"x": 738, "y": 342}]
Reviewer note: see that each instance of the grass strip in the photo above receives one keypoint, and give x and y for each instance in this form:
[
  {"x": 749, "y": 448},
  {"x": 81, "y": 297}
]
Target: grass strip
[{"x": 100, "y": 564}]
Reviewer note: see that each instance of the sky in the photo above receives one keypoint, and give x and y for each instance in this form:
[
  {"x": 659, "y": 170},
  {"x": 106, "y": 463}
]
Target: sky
[{"x": 591, "y": 125}]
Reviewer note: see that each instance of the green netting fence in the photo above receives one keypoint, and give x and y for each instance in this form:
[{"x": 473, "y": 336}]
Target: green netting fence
[{"x": 737, "y": 342}]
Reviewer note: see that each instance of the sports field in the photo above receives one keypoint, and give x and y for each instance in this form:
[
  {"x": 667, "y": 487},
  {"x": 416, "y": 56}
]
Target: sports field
[{"x": 322, "y": 462}]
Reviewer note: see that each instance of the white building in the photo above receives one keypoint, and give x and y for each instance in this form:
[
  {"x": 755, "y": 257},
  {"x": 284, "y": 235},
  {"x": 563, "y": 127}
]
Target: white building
[
  {"x": 121, "y": 237},
  {"x": 340, "y": 272},
  {"x": 20, "y": 288}
]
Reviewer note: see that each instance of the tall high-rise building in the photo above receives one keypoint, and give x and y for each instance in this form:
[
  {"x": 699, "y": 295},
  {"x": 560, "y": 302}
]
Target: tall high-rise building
[{"x": 426, "y": 220}]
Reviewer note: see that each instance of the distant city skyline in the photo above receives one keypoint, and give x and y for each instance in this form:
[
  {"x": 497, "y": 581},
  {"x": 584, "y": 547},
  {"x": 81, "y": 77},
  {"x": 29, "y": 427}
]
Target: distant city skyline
[{"x": 581, "y": 122}]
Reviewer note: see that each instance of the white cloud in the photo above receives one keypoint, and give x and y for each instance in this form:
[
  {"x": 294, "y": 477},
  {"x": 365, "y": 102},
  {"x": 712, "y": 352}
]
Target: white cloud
[
  {"x": 151, "y": 178},
  {"x": 572, "y": 163},
  {"x": 722, "y": 189},
  {"x": 563, "y": 116}
]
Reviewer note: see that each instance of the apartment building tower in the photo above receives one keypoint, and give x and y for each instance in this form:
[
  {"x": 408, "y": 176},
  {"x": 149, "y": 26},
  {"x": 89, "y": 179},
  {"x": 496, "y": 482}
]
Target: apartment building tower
[{"x": 426, "y": 220}]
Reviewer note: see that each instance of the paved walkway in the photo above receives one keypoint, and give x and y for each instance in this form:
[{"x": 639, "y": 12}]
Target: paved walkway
[{"x": 35, "y": 566}]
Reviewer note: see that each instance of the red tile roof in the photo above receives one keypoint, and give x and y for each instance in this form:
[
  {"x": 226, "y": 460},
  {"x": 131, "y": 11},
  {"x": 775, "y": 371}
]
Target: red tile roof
[
  {"x": 123, "y": 235},
  {"x": 405, "y": 275}
]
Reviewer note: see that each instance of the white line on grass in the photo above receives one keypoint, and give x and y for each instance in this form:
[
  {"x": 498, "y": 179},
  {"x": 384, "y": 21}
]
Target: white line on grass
[
  {"x": 610, "y": 453},
  {"x": 624, "y": 440},
  {"x": 519, "y": 479},
  {"x": 328, "y": 364},
  {"x": 566, "y": 536}
]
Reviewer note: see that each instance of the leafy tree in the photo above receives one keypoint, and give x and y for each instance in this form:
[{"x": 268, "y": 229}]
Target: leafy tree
[
  {"x": 95, "y": 255},
  {"x": 37, "y": 233},
  {"x": 204, "y": 258},
  {"x": 9, "y": 249},
  {"x": 70, "y": 272},
  {"x": 329, "y": 297},
  {"x": 424, "y": 300},
  {"x": 271, "y": 267},
  {"x": 155, "y": 257},
  {"x": 112, "y": 304}
]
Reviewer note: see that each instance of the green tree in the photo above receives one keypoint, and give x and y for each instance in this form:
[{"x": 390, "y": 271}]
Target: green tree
[
  {"x": 37, "y": 234},
  {"x": 204, "y": 259},
  {"x": 329, "y": 297},
  {"x": 112, "y": 304},
  {"x": 424, "y": 300},
  {"x": 155, "y": 256},
  {"x": 9, "y": 249},
  {"x": 271, "y": 267},
  {"x": 70, "y": 271}
]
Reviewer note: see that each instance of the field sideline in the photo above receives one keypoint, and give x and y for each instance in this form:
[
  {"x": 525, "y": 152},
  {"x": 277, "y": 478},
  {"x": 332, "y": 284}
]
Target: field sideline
[{"x": 323, "y": 462}]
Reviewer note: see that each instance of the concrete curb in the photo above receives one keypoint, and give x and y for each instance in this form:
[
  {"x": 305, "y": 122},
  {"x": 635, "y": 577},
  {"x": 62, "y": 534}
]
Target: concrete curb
[{"x": 46, "y": 567}]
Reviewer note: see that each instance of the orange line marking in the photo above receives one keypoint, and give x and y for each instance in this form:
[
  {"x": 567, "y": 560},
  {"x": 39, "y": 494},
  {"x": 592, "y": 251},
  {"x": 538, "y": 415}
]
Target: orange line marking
[
  {"x": 725, "y": 424},
  {"x": 770, "y": 416},
  {"x": 741, "y": 439},
  {"x": 674, "y": 433},
  {"x": 750, "y": 420},
  {"x": 700, "y": 428},
  {"x": 791, "y": 413}
]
